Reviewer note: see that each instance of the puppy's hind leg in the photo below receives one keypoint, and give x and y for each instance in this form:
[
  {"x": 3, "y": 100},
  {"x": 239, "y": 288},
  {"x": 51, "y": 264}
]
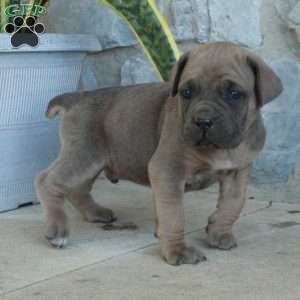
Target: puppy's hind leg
[
  {"x": 89, "y": 209},
  {"x": 51, "y": 197},
  {"x": 53, "y": 185}
]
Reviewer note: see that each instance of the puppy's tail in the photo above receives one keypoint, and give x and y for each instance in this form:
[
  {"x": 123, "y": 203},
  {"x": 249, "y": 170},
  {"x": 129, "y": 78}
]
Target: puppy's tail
[{"x": 60, "y": 104}]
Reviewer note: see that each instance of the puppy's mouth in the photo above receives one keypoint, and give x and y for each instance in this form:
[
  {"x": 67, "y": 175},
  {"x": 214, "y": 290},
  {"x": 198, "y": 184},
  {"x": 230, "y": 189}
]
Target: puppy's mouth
[{"x": 205, "y": 143}]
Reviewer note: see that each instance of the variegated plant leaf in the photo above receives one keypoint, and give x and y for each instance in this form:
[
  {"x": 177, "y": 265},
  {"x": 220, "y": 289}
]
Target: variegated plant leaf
[{"x": 151, "y": 30}]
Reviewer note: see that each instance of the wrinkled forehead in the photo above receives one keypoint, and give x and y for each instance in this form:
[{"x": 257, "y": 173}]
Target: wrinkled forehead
[{"x": 217, "y": 63}]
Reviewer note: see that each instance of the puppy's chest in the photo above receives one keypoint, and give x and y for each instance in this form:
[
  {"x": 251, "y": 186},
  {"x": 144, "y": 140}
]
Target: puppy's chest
[
  {"x": 204, "y": 170},
  {"x": 219, "y": 160},
  {"x": 200, "y": 180}
]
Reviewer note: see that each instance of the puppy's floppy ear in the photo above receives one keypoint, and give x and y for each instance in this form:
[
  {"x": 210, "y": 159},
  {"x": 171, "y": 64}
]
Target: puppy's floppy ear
[
  {"x": 176, "y": 73},
  {"x": 267, "y": 84}
]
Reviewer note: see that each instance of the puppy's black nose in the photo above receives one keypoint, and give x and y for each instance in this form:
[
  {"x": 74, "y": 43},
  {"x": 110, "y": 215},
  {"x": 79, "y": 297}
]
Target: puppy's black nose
[{"x": 204, "y": 123}]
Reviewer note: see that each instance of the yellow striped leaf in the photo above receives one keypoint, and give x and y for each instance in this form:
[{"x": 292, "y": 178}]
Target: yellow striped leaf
[{"x": 151, "y": 30}]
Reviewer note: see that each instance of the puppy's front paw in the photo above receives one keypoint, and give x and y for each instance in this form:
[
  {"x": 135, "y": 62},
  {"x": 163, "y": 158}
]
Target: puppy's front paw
[
  {"x": 178, "y": 255},
  {"x": 224, "y": 241},
  {"x": 57, "y": 235}
]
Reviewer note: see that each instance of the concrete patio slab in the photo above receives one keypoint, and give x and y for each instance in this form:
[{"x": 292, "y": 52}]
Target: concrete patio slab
[{"x": 100, "y": 264}]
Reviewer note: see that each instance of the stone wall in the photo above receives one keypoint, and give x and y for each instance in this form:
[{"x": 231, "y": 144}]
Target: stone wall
[{"x": 270, "y": 28}]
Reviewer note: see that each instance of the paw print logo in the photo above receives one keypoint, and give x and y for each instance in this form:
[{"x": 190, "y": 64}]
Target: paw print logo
[{"x": 24, "y": 31}]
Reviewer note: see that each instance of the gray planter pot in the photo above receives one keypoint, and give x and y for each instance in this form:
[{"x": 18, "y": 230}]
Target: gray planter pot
[{"x": 29, "y": 78}]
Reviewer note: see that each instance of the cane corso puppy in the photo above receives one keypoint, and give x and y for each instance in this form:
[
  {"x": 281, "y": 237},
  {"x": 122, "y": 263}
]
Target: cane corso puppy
[{"x": 203, "y": 126}]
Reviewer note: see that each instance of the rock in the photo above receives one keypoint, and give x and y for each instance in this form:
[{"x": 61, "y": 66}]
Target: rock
[
  {"x": 183, "y": 19},
  {"x": 237, "y": 21},
  {"x": 202, "y": 19},
  {"x": 289, "y": 101},
  {"x": 88, "y": 80},
  {"x": 276, "y": 163},
  {"x": 284, "y": 7},
  {"x": 89, "y": 17},
  {"x": 283, "y": 130},
  {"x": 274, "y": 167},
  {"x": 190, "y": 19},
  {"x": 294, "y": 15},
  {"x": 289, "y": 12},
  {"x": 294, "y": 20},
  {"x": 215, "y": 20},
  {"x": 137, "y": 70}
]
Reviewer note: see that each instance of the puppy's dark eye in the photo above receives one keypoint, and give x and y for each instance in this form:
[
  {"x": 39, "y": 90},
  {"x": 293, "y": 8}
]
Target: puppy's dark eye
[
  {"x": 187, "y": 93},
  {"x": 232, "y": 95}
]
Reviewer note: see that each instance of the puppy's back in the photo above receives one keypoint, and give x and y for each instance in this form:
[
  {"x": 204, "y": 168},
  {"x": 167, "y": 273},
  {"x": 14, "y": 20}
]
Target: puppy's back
[{"x": 110, "y": 96}]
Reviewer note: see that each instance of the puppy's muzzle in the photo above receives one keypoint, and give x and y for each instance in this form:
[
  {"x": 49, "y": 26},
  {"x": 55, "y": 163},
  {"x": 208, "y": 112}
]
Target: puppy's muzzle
[
  {"x": 202, "y": 127},
  {"x": 203, "y": 120},
  {"x": 207, "y": 125}
]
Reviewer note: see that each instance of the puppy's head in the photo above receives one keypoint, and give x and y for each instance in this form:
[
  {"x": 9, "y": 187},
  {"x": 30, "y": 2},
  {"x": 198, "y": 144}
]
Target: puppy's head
[{"x": 220, "y": 87}]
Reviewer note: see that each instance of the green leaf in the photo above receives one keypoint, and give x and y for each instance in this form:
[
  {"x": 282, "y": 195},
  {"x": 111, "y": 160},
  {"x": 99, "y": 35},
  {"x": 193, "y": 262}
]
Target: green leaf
[{"x": 151, "y": 30}]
